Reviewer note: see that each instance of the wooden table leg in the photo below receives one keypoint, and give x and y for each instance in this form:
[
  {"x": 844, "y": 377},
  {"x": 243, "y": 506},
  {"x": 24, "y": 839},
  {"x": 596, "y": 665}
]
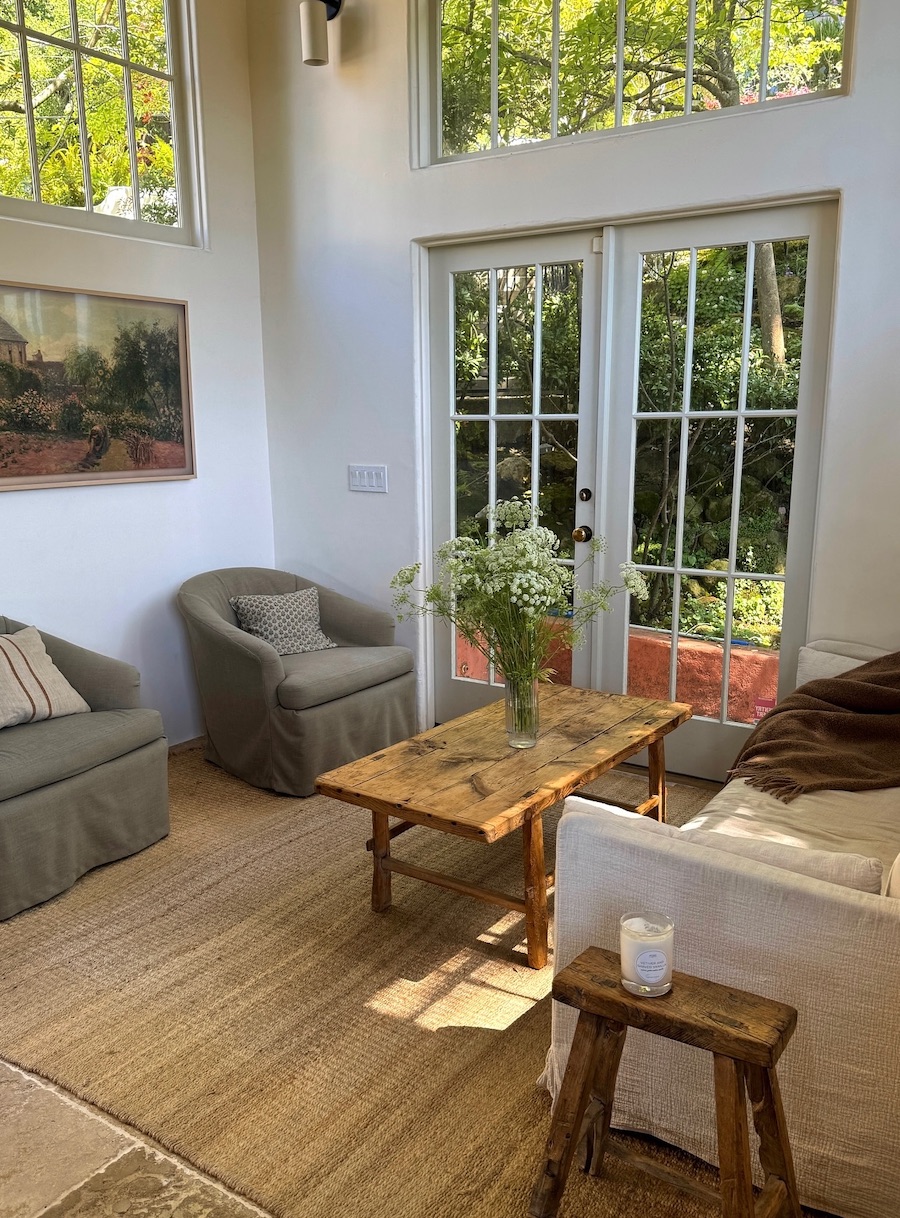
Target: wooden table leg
[
  {"x": 774, "y": 1144},
  {"x": 657, "y": 759},
  {"x": 603, "y": 1091},
  {"x": 381, "y": 850},
  {"x": 568, "y": 1115},
  {"x": 735, "y": 1180},
  {"x": 536, "y": 916}
]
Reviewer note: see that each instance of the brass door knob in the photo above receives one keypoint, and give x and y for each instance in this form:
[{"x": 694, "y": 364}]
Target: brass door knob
[{"x": 584, "y": 532}]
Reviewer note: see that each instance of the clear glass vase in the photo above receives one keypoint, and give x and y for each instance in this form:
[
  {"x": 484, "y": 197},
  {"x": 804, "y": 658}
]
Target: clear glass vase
[{"x": 522, "y": 712}]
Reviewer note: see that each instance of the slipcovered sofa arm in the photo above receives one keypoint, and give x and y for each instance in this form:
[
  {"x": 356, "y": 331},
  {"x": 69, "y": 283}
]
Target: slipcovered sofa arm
[
  {"x": 831, "y": 952},
  {"x": 348, "y": 621},
  {"x": 104, "y": 683}
]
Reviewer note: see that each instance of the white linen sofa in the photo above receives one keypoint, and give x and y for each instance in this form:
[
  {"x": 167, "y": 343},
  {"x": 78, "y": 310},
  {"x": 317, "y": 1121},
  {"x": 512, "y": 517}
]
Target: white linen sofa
[{"x": 831, "y": 951}]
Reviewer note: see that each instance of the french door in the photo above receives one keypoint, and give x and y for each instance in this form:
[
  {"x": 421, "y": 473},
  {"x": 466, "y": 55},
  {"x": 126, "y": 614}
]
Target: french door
[
  {"x": 716, "y": 371},
  {"x": 514, "y": 391},
  {"x": 682, "y": 422}
]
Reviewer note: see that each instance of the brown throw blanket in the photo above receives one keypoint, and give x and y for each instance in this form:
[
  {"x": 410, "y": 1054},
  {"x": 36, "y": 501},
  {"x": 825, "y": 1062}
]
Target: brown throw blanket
[{"x": 837, "y": 733}]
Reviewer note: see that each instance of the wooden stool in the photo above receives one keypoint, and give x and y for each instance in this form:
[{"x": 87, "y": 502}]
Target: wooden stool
[{"x": 746, "y": 1035}]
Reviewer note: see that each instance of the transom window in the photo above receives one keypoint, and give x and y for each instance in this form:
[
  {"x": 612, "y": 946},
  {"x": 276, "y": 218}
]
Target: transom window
[
  {"x": 515, "y": 71},
  {"x": 88, "y": 107}
]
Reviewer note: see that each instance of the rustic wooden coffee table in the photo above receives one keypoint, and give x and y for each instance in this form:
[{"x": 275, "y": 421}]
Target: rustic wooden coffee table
[{"x": 463, "y": 778}]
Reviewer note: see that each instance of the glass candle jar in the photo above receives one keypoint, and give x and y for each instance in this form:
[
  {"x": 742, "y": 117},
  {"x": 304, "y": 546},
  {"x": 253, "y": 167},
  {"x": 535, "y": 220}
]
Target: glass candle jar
[{"x": 646, "y": 945}]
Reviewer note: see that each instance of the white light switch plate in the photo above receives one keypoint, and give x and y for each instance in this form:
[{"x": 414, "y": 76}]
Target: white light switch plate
[{"x": 368, "y": 478}]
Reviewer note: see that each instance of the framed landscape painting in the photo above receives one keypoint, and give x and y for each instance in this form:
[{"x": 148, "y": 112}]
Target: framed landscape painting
[{"x": 93, "y": 389}]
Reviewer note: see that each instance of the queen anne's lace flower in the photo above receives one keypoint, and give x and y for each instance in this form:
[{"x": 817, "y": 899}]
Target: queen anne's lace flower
[{"x": 507, "y": 593}]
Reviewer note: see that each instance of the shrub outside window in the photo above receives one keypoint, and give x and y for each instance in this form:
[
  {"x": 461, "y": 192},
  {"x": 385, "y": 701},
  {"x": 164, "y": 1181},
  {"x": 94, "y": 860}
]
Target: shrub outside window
[
  {"x": 88, "y": 107},
  {"x": 518, "y": 71}
]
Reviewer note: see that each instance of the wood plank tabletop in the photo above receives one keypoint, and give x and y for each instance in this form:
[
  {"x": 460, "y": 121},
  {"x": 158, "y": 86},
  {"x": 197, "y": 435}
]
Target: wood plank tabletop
[{"x": 464, "y": 778}]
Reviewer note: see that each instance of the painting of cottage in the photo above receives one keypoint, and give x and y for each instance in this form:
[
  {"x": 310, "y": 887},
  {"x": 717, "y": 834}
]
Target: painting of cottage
[{"x": 93, "y": 389}]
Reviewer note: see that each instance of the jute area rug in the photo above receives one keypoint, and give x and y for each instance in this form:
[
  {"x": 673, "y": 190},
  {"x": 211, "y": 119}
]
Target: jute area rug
[{"x": 230, "y": 993}]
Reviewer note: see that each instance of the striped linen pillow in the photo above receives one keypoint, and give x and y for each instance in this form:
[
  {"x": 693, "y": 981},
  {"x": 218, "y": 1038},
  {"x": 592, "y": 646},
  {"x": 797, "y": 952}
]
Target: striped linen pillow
[{"x": 31, "y": 686}]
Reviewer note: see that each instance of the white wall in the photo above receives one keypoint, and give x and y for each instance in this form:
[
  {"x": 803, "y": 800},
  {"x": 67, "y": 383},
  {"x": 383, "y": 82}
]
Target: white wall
[
  {"x": 339, "y": 208},
  {"x": 100, "y": 564}
]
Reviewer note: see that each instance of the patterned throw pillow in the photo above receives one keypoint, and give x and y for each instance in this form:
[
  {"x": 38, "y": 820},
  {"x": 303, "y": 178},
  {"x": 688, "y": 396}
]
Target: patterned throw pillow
[
  {"x": 290, "y": 622},
  {"x": 31, "y": 686}
]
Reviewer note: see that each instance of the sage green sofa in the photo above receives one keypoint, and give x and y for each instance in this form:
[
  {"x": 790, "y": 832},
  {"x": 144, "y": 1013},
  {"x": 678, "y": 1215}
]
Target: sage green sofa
[
  {"x": 279, "y": 721},
  {"x": 81, "y": 790}
]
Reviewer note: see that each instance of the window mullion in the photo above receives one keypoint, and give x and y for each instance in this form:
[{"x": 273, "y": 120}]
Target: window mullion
[
  {"x": 495, "y": 73},
  {"x": 82, "y": 115},
  {"x": 689, "y": 56},
  {"x": 764, "y": 51},
  {"x": 620, "y": 64},
  {"x": 537, "y": 362},
  {"x": 30, "y": 129},
  {"x": 554, "y": 74},
  {"x": 129, "y": 114},
  {"x": 742, "y": 419}
]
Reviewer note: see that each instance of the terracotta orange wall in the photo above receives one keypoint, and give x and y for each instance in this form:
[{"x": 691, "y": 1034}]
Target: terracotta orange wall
[{"x": 753, "y": 673}]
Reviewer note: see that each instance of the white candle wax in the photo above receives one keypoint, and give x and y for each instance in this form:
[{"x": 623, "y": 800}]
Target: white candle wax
[{"x": 646, "y": 944}]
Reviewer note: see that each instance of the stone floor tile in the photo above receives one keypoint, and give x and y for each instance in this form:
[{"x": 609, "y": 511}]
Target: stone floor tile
[
  {"x": 145, "y": 1184},
  {"x": 48, "y": 1146}
]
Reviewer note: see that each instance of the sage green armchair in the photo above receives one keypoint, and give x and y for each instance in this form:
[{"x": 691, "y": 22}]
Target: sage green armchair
[{"x": 280, "y": 721}]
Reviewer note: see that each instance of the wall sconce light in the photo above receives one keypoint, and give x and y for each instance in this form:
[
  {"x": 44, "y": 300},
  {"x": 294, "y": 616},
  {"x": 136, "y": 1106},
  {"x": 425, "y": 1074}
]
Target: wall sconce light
[{"x": 314, "y": 18}]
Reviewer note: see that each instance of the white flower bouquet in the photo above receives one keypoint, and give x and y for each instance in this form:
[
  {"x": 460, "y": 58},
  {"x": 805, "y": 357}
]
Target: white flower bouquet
[{"x": 508, "y": 595}]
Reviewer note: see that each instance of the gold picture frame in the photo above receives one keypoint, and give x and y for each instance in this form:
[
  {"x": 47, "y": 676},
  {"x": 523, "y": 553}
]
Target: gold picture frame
[{"x": 94, "y": 389}]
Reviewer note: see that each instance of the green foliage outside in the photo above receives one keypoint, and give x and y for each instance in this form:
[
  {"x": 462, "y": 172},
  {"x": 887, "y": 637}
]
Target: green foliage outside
[
  {"x": 805, "y": 56},
  {"x": 561, "y": 290},
  {"x": 718, "y": 337},
  {"x": 806, "y": 48},
  {"x": 61, "y": 150},
  {"x": 767, "y": 442}
]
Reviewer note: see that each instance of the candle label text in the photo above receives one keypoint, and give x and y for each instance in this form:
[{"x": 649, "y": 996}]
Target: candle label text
[{"x": 652, "y": 966}]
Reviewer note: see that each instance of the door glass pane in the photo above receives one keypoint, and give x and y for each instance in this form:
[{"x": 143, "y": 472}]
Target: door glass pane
[
  {"x": 525, "y": 48},
  {"x": 15, "y": 163},
  {"x": 766, "y": 494},
  {"x": 561, "y": 285},
  {"x": 465, "y": 76},
  {"x": 718, "y": 328},
  {"x": 655, "y": 508},
  {"x": 515, "y": 340},
  {"x": 522, "y": 324},
  {"x": 472, "y": 306},
  {"x": 755, "y": 638},
  {"x": 701, "y": 626},
  {"x": 587, "y": 66},
  {"x": 514, "y": 460},
  {"x": 471, "y": 462},
  {"x": 650, "y": 640},
  {"x": 708, "y": 492},
  {"x": 664, "y": 295},
  {"x": 776, "y": 334},
  {"x": 723, "y": 437},
  {"x": 655, "y": 42},
  {"x": 557, "y": 484}
]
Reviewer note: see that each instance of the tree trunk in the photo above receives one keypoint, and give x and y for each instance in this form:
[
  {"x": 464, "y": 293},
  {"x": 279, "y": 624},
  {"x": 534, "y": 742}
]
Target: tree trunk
[{"x": 769, "y": 302}]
